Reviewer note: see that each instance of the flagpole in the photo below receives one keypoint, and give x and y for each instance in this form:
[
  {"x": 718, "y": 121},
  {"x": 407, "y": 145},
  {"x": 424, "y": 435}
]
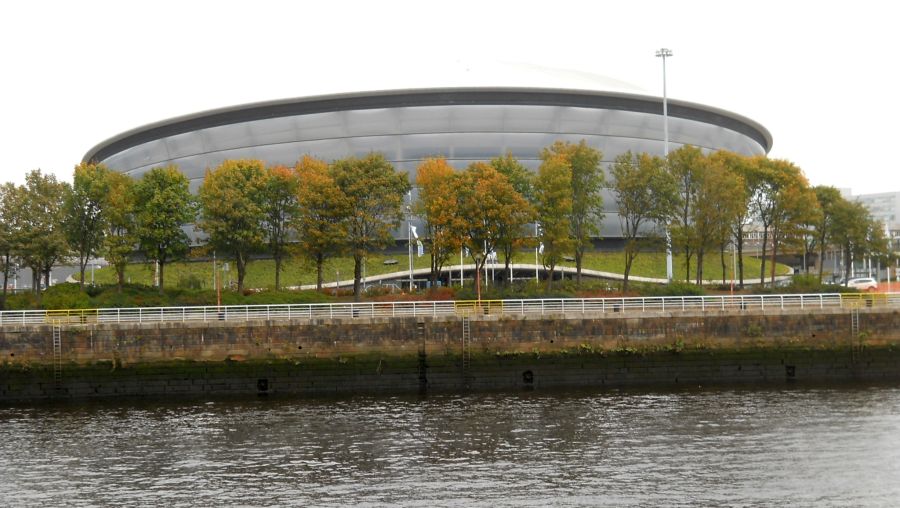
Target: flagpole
[
  {"x": 485, "y": 263},
  {"x": 216, "y": 282},
  {"x": 493, "y": 265},
  {"x": 461, "y": 278},
  {"x": 536, "y": 275},
  {"x": 409, "y": 241}
]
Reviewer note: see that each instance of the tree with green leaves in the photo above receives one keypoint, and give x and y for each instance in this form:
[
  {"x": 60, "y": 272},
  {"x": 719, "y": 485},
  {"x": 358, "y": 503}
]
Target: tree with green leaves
[
  {"x": 587, "y": 181},
  {"x": 718, "y": 195},
  {"x": 164, "y": 206},
  {"x": 805, "y": 231},
  {"x": 438, "y": 207},
  {"x": 852, "y": 224},
  {"x": 739, "y": 203},
  {"x": 42, "y": 240},
  {"x": 553, "y": 200},
  {"x": 85, "y": 212},
  {"x": 521, "y": 180},
  {"x": 647, "y": 197},
  {"x": 120, "y": 237},
  {"x": 9, "y": 234},
  {"x": 764, "y": 203},
  {"x": 320, "y": 222},
  {"x": 794, "y": 205},
  {"x": 375, "y": 193},
  {"x": 489, "y": 207},
  {"x": 684, "y": 164},
  {"x": 879, "y": 243},
  {"x": 232, "y": 213},
  {"x": 829, "y": 199},
  {"x": 280, "y": 207}
]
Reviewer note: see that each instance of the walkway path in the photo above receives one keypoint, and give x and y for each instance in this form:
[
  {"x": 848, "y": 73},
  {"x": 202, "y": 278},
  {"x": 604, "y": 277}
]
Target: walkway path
[{"x": 419, "y": 273}]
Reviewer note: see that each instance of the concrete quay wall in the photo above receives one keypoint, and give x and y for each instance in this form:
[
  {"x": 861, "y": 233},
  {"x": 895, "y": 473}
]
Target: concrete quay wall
[{"x": 328, "y": 356}]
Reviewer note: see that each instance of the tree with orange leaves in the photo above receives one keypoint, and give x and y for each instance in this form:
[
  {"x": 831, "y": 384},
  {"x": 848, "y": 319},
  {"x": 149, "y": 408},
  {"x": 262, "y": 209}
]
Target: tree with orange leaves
[
  {"x": 321, "y": 210},
  {"x": 488, "y": 206},
  {"x": 121, "y": 226},
  {"x": 439, "y": 208}
]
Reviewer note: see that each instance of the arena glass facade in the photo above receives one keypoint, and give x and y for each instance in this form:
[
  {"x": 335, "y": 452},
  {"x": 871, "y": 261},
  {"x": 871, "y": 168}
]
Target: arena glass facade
[{"x": 461, "y": 124}]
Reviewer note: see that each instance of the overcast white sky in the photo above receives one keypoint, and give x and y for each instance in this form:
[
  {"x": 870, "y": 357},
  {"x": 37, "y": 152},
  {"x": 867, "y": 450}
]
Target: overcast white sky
[{"x": 821, "y": 76}]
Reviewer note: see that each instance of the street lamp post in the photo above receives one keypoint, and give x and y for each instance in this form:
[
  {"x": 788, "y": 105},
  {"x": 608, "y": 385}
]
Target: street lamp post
[
  {"x": 409, "y": 239},
  {"x": 665, "y": 53}
]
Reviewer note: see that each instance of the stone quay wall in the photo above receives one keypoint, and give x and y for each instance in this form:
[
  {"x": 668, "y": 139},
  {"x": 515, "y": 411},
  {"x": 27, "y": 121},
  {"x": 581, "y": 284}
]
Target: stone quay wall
[{"x": 339, "y": 356}]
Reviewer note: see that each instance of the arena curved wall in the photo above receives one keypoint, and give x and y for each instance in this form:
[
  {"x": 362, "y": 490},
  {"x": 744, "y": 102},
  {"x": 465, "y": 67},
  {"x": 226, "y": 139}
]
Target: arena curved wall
[{"x": 462, "y": 125}]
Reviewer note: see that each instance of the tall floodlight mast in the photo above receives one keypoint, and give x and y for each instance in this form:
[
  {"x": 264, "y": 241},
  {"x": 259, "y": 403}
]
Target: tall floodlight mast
[{"x": 665, "y": 53}]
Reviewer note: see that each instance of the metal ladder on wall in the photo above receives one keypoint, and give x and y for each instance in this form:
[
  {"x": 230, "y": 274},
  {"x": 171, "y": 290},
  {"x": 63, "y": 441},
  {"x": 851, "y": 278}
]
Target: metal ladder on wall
[
  {"x": 420, "y": 334},
  {"x": 855, "y": 338},
  {"x": 423, "y": 358},
  {"x": 57, "y": 356},
  {"x": 466, "y": 350}
]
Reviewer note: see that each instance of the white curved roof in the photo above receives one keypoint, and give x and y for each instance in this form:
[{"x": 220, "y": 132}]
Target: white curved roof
[{"x": 241, "y": 114}]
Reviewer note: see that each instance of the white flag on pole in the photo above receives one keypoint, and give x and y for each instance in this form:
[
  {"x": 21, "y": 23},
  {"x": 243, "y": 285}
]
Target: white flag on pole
[
  {"x": 413, "y": 230},
  {"x": 541, "y": 249},
  {"x": 421, "y": 247}
]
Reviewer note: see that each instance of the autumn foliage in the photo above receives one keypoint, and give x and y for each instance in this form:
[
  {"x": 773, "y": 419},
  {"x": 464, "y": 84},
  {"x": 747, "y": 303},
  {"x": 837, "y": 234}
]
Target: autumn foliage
[{"x": 357, "y": 206}]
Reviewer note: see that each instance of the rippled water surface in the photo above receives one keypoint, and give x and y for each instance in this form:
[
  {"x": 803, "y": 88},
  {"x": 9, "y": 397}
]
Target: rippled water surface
[{"x": 799, "y": 446}]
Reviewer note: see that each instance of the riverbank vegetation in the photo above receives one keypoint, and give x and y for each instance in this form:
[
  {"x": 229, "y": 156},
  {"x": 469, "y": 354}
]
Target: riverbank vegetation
[
  {"x": 278, "y": 226},
  {"x": 71, "y": 296}
]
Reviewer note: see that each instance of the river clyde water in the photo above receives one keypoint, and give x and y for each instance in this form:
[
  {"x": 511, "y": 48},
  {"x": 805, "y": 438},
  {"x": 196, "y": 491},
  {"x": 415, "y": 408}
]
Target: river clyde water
[{"x": 795, "y": 445}]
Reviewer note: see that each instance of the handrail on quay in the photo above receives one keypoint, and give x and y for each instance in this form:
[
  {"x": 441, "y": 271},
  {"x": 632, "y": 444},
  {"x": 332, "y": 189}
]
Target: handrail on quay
[{"x": 552, "y": 306}]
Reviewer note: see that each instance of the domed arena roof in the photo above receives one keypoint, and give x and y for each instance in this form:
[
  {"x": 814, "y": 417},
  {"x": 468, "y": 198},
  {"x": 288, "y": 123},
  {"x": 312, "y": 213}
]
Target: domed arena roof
[
  {"x": 566, "y": 98},
  {"x": 462, "y": 121}
]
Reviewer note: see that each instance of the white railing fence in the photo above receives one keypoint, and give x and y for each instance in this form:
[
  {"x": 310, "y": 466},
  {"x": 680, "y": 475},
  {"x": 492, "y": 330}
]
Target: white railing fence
[{"x": 565, "y": 306}]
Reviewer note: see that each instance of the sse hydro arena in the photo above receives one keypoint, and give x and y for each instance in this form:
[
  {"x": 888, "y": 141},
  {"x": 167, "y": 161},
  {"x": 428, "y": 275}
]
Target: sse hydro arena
[{"x": 461, "y": 124}]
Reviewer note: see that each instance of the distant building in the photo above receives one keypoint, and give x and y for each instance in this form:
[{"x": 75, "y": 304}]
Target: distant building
[{"x": 885, "y": 208}]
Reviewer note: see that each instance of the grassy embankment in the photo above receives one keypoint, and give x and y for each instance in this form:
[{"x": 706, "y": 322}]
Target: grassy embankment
[
  {"x": 261, "y": 273},
  {"x": 190, "y": 283}
]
